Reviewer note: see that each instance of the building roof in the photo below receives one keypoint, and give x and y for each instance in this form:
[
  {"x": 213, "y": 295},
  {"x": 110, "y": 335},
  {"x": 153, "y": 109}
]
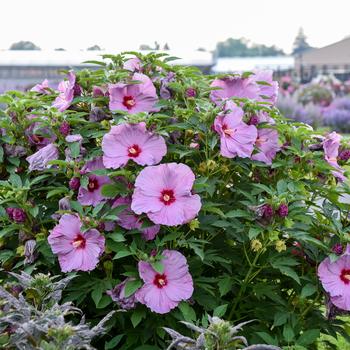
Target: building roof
[
  {"x": 76, "y": 58},
  {"x": 243, "y": 64},
  {"x": 337, "y": 54}
]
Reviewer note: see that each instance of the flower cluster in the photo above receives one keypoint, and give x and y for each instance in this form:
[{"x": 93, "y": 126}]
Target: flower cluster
[{"x": 166, "y": 191}]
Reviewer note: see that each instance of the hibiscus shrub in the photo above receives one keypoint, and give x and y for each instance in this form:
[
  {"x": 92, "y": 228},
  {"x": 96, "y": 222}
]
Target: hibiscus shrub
[{"x": 172, "y": 196}]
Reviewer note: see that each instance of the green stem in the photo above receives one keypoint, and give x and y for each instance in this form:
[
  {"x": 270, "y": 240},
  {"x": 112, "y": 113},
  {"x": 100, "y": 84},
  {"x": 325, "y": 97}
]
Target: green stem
[{"x": 243, "y": 286}]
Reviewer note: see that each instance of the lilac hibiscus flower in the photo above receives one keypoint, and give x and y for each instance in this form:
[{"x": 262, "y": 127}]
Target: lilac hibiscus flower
[
  {"x": 39, "y": 160},
  {"x": 92, "y": 194},
  {"x": 39, "y": 134},
  {"x": 42, "y": 88},
  {"x": 133, "y": 64},
  {"x": 236, "y": 137},
  {"x": 258, "y": 86},
  {"x": 331, "y": 150},
  {"x": 66, "y": 93},
  {"x": 130, "y": 221},
  {"x": 76, "y": 250},
  {"x": 132, "y": 142},
  {"x": 133, "y": 98},
  {"x": 335, "y": 279},
  {"x": 162, "y": 292},
  {"x": 163, "y": 192},
  {"x": 267, "y": 144}
]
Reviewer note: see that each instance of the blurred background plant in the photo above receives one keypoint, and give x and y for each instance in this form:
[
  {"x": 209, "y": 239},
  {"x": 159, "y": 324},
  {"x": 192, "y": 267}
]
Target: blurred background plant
[{"x": 31, "y": 317}]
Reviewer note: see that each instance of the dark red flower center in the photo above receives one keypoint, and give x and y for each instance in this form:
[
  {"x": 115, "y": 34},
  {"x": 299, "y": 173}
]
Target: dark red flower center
[
  {"x": 345, "y": 276},
  {"x": 134, "y": 151},
  {"x": 167, "y": 197},
  {"x": 79, "y": 241},
  {"x": 37, "y": 138},
  {"x": 260, "y": 141},
  {"x": 160, "y": 280},
  {"x": 93, "y": 184},
  {"x": 227, "y": 131},
  {"x": 129, "y": 102}
]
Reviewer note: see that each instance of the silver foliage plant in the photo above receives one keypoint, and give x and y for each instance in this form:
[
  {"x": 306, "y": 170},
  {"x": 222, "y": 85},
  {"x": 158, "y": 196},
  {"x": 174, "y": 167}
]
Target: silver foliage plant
[
  {"x": 219, "y": 335},
  {"x": 32, "y": 319}
]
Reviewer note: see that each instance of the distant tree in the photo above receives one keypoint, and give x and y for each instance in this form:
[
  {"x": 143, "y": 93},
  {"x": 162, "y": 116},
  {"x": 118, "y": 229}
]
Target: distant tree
[
  {"x": 300, "y": 43},
  {"x": 166, "y": 47},
  {"x": 60, "y": 49},
  {"x": 94, "y": 48},
  {"x": 202, "y": 49},
  {"x": 145, "y": 47},
  {"x": 242, "y": 48},
  {"x": 24, "y": 45}
]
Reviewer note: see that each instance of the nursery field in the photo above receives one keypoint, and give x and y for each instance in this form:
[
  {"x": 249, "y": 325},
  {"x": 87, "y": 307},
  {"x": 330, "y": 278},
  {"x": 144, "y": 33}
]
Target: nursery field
[{"x": 146, "y": 206}]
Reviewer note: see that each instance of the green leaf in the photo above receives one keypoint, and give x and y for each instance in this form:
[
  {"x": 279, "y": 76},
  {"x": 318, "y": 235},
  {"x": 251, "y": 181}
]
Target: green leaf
[
  {"x": 56, "y": 191},
  {"x": 280, "y": 318},
  {"x": 187, "y": 311},
  {"x": 288, "y": 333},
  {"x": 74, "y": 148},
  {"x": 15, "y": 180},
  {"x": 137, "y": 317},
  {"x": 122, "y": 254},
  {"x": 253, "y": 232},
  {"x": 131, "y": 287},
  {"x": 238, "y": 213},
  {"x": 220, "y": 310},
  {"x": 96, "y": 293},
  {"x": 113, "y": 342},
  {"x": 267, "y": 338},
  {"x": 158, "y": 266},
  {"x": 308, "y": 290},
  {"x": 225, "y": 285},
  {"x": 290, "y": 273},
  {"x": 117, "y": 237},
  {"x": 111, "y": 190},
  {"x": 308, "y": 337}
]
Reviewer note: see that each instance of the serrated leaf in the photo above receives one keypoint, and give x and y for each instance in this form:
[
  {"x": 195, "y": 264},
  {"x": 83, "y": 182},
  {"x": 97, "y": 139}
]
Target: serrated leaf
[
  {"x": 220, "y": 310},
  {"x": 187, "y": 311},
  {"x": 158, "y": 266},
  {"x": 308, "y": 337},
  {"x": 131, "y": 287},
  {"x": 137, "y": 317},
  {"x": 225, "y": 285}
]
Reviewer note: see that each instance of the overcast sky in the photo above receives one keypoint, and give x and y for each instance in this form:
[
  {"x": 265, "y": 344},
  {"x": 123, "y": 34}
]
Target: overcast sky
[{"x": 184, "y": 24}]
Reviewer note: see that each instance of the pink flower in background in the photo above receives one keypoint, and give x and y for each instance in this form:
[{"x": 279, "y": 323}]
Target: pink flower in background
[
  {"x": 163, "y": 192},
  {"x": 268, "y": 88},
  {"x": 233, "y": 86},
  {"x": 335, "y": 279},
  {"x": 66, "y": 93},
  {"x": 42, "y": 87},
  {"x": 133, "y": 98},
  {"x": 76, "y": 250},
  {"x": 39, "y": 160},
  {"x": 130, "y": 221},
  {"x": 267, "y": 144},
  {"x": 92, "y": 194},
  {"x": 259, "y": 86},
  {"x": 331, "y": 149},
  {"x": 132, "y": 142},
  {"x": 133, "y": 64},
  {"x": 236, "y": 137},
  {"x": 162, "y": 292}
]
